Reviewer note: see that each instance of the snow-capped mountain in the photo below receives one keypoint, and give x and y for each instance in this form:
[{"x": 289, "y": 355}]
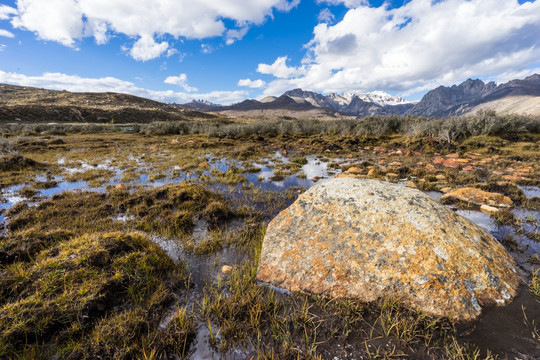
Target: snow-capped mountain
[{"x": 378, "y": 97}]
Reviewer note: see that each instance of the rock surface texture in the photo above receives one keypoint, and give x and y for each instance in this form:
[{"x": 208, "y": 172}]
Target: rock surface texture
[
  {"x": 478, "y": 197},
  {"x": 363, "y": 238}
]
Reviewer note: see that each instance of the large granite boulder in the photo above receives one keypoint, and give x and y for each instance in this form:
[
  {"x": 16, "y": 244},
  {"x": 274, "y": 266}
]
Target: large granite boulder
[{"x": 363, "y": 238}]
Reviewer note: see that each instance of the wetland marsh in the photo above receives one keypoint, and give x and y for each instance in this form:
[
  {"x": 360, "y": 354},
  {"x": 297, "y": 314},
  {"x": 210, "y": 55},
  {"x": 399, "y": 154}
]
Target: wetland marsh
[{"x": 121, "y": 244}]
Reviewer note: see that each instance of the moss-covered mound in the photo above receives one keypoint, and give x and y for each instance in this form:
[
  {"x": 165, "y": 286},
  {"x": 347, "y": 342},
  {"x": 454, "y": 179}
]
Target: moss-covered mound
[{"x": 100, "y": 295}]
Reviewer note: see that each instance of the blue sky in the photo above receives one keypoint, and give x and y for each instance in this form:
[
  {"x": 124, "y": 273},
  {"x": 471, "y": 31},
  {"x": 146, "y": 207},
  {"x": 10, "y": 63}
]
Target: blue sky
[{"x": 229, "y": 50}]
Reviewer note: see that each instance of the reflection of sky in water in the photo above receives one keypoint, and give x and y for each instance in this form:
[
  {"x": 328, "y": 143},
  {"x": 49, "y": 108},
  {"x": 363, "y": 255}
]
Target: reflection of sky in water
[
  {"x": 315, "y": 167},
  {"x": 480, "y": 219},
  {"x": 10, "y": 196},
  {"x": 530, "y": 191},
  {"x": 64, "y": 186}
]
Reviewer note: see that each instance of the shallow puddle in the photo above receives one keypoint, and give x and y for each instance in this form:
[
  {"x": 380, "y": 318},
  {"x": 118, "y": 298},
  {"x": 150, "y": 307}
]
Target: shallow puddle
[{"x": 511, "y": 331}]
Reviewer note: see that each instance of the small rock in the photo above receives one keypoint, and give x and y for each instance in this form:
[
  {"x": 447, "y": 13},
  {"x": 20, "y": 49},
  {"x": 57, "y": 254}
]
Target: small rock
[
  {"x": 527, "y": 169},
  {"x": 430, "y": 167},
  {"x": 382, "y": 162},
  {"x": 478, "y": 197},
  {"x": 411, "y": 185},
  {"x": 225, "y": 269},
  {"x": 453, "y": 156},
  {"x": 491, "y": 210},
  {"x": 316, "y": 178},
  {"x": 440, "y": 177},
  {"x": 451, "y": 163},
  {"x": 371, "y": 172},
  {"x": 204, "y": 164},
  {"x": 354, "y": 170},
  {"x": 468, "y": 168},
  {"x": 120, "y": 186},
  {"x": 175, "y": 141},
  {"x": 445, "y": 190},
  {"x": 395, "y": 164},
  {"x": 350, "y": 156},
  {"x": 515, "y": 177},
  {"x": 438, "y": 160},
  {"x": 462, "y": 161}
]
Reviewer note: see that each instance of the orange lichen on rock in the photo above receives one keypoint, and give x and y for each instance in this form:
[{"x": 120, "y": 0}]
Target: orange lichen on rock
[{"x": 363, "y": 238}]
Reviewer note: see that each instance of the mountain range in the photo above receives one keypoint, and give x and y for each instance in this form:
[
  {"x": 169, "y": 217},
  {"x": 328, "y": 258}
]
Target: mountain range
[{"x": 515, "y": 96}]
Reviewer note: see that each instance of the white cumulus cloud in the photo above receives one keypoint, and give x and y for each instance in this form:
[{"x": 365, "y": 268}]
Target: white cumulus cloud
[
  {"x": 6, "y": 33},
  {"x": 59, "y": 81},
  {"x": 280, "y": 69},
  {"x": 6, "y": 12},
  {"x": 66, "y": 21},
  {"x": 255, "y": 84},
  {"x": 146, "y": 48},
  {"x": 180, "y": 80},
  {"x": 326, "y": 16},
  {"x": 415, "y": 47}
]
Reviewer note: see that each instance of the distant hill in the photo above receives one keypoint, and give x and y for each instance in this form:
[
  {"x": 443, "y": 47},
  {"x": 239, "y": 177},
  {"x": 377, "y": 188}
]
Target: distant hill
[
  {"x": 29, "y": 104},
  {"x": 516, "y": 96}
]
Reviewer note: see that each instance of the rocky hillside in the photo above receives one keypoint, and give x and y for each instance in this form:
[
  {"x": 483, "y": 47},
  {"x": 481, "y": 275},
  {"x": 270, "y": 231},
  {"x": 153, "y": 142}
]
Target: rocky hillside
[
  {"x": 515, "y": 96},
  {"x": 28, "y": 104}
]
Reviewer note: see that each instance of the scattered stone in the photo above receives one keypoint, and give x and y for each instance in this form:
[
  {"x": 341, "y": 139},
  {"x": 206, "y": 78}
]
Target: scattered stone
[
  {"x": 175, "y": 141},
  {"x": 395, "y": 164},
  {"x": 411, "y": 185},
  {"x": 490, "y": 210},
  {"x": 515, "y": 177},
  {"x": 368, "y": 239},
  {"x": 204, "y": 164},
  {"x": 225, "y": 269},
  {"x": 408, "y": 153},
  {"x": 462, "y": 161},
  {"x": 527, "y": 169},
  {"x": 468, "y": 168},
  {"x": 382, "y": 162},
  {"x": 392, "y": 176},
  {"x": 120, "y": 186},
  {"x": 453, "y": 156},
  {"x": 478, "y": 197},
  {"x": 430, "y": 167},
  {"x": 451, "y": 163},
  {"x": 445, "y": 190},
  {"x": 354, "y": 170},
  {"x": 440, "y": 177},
  {"x": 399, "y": 152},
  {"x": 350, "y": 156},
  {"x": 438, "y": 160},
  {"x": 379, "y": 149},
  {"x": 371, "y": 172}
]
